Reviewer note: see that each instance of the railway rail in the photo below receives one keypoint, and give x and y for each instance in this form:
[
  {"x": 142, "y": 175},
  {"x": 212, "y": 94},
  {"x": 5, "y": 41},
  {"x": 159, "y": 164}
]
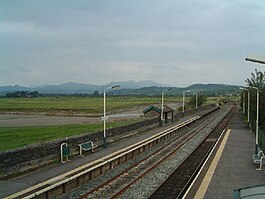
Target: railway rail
[
  {"x": 187, "y": 171},
  {"x": 115, "y": 187},
  {"x": 70, "y": 180}
]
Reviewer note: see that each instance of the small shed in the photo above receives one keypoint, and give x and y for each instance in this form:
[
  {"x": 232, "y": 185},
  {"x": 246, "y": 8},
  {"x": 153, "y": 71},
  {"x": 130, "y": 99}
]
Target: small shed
[
  {"x": 168, "y": 113},
  {"x": 153, "y": 111}
]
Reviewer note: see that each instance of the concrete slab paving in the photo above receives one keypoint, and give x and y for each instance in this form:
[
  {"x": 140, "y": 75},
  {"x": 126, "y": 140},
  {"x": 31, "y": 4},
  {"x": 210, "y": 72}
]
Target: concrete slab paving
[{"x": 235, "y": 168}]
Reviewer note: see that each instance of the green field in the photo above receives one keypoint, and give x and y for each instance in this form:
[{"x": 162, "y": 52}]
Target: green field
[
  {"x": 13, "y": 137},
  {"x": 86, "y": 104}
]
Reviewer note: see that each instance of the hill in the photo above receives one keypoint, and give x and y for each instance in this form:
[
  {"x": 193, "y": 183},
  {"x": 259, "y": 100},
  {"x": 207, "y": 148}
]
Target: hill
[
  {"x": 147, "y": 88},
  {"x": 72, "y": 87},
  {"x": 206, "y": 89}
]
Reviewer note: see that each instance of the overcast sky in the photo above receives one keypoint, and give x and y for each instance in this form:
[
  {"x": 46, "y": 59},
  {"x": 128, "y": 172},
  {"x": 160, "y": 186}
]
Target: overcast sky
[{"x": 173, "y": 42}]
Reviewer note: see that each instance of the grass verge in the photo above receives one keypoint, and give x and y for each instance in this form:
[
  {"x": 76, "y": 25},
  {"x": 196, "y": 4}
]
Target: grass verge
[{"x": 14, "y": 137}]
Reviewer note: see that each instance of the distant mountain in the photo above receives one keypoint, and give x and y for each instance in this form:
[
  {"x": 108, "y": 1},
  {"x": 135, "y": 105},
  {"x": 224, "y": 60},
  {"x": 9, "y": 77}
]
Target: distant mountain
[
  {"x": 213, "y": 88},
  {"x": 6, "y": 89},
  {"x": 148, "y": 88},
  {"x": 136, "y": 85},
  {"x": 69, "y": 88},
  {"x": 72, "y": 87},
  {"x": 206, "y": 89}
]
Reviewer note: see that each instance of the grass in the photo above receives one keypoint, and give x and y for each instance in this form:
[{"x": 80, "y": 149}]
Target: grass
[
  {"x": 14, "y": 137},
  {"x": 86, "y": 104}
]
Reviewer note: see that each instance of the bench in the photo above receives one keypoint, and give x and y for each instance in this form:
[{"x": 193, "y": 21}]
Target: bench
[
  {"x": 86, "y": 146},
  {"x": 257, "y": 191},
  {"x": 65, "y": 152},
  {"x": 258, "y": 159}
]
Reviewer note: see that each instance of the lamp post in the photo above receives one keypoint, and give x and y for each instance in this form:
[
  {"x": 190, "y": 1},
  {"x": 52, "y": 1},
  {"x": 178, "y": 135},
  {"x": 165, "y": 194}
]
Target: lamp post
[
  {"x": 257, "y": 121},
  {"x": 183, "y": 103},
  {"x": 255, "y": 58},
  {"x": 241, "y": 88},
  {"x": 162, "y": 105},
  {"x": 243, "y": 101},
  {"x": 248, "y": 105},
  {"x": 196, "y": 100},
  {"x": 261, "y": 60},
  {"x": 104, "y": 116}
]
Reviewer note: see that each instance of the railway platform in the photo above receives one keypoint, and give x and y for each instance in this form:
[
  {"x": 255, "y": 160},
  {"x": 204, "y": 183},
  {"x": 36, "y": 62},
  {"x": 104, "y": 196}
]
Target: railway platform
[
  {"x": 230, "y": 166},
  {"x": 12, "y": 186}
]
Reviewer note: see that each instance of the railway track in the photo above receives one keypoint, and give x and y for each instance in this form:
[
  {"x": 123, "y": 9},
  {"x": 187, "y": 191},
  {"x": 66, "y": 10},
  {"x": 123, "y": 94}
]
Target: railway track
[
  {"x": 68, "y": 181},
  {"x": 187, "y": 171},
  {"x": 116, "y": 186},
  {"x": 139, "y": 153}
]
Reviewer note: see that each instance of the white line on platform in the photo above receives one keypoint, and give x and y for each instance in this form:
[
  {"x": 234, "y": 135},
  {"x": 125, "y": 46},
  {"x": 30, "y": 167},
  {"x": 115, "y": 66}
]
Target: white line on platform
[{"x": 207, "y": 178}]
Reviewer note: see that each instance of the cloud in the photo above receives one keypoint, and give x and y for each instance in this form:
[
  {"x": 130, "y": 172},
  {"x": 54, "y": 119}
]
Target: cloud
[{"x": 173, "y": 42}]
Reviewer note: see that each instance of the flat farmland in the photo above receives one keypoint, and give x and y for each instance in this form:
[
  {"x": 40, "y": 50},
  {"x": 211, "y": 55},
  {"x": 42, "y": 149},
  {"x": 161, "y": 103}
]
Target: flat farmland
[
  {"x": 90, "y": 105},
  {"x": 26, "y": 121}
]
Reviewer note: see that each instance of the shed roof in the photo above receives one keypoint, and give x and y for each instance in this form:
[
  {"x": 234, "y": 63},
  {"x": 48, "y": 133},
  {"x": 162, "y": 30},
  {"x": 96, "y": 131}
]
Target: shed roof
[
  {"x": 152, "y": 107},
  {"x": 166, "y": 109}
]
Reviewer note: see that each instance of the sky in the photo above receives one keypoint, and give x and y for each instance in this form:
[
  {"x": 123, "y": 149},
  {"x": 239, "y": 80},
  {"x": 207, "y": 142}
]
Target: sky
[{"x": 174, "y": 42}]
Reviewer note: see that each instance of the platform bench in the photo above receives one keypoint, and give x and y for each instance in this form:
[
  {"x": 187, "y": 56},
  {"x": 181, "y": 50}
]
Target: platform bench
[
  {"x": 86, "y": 146},
  {"x": 259, "y": 159}
]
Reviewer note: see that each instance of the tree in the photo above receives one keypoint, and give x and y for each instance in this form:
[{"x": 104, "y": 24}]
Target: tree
[
  {"x": 23, "y": 94},
  {"x": 201, "y": 100},
  {"x": 95, "y": 94},
  {"x": 257, "y": 79}
]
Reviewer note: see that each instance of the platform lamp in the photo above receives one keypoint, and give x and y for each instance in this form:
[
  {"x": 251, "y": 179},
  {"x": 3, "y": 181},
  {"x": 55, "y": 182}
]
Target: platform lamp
[
  {"x": 162, "y": 105},
  {"x": 196, "y": 95},
  {"x": 244, "y": 94},
  {"x": 242, "y": 88},
  {"x": 261, "y": 60},
  {"x": 257, "y": 120},
  {"x": 196, "y": 100},
  {"x": 183, "y": 103},
  {"x": 104, "y": 118},
  {"x": 255, "y": 58}
]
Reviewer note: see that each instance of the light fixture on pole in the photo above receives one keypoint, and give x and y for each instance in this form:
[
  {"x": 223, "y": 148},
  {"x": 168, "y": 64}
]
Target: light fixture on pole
[
  {"x": 183, "y": 103},
  {"x": 241, "y": 88},
  {"x": 104, "y": 114},
  {"x": 257, "y": 120},
  {"x": 162, "y": 105},
  {"x": 196, "y": 94},
  {"x": 243, "y": 100},
  {"x": 255, "y": 58}
]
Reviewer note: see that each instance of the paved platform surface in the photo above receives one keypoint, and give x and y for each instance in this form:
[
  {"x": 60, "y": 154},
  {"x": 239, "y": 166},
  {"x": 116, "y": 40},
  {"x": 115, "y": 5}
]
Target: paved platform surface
[
  {"x": 12, "y": 186},
  {"x": 235, "y": 167}
]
